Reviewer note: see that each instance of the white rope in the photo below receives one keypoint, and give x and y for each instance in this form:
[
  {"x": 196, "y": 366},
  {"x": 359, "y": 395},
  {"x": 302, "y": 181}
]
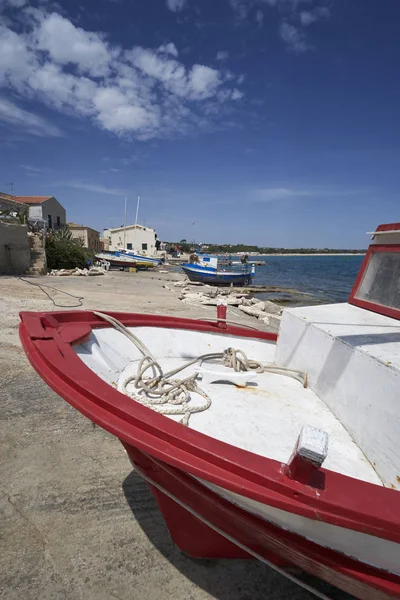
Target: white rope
[{"x": 172, "y": 396}]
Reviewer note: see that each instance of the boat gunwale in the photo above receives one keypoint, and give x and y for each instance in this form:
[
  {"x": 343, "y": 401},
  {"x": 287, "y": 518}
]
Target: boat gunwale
[{"x": 344, "y": 501}]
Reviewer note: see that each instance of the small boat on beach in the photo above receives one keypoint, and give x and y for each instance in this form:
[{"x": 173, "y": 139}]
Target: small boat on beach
[
  {"x": 120, "y": 260},
  {"x": 141, "y": 258},
  {"x": 206, "y": 269},
  {"x": 285, "y": 449}
]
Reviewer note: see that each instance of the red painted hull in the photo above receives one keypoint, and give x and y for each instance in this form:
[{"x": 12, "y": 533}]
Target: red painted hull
[{"x": 172, "y": 457}]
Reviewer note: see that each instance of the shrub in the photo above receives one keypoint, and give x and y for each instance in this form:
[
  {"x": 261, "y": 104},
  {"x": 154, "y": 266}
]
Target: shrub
[{"x": 64, "y": 253}]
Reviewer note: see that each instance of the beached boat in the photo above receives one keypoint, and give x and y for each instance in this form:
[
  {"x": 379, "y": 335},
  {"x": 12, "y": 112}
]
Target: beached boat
[
  {"x": 206, "y": 269},
  {"x": 297, "y": 464},
  {"x": 121, "y": 260},
  {"x": 139, "y": 258}
]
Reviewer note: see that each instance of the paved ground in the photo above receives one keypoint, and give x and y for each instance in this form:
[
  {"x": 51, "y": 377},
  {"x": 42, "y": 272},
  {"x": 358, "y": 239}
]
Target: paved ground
[{"x": 76, "y": 522}]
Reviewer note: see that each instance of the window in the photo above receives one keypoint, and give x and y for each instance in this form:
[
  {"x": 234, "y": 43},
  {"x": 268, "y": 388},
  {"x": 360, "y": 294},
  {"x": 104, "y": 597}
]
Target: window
[
  {"x": 129, "y": 246},
  {"x": 381, "y": 282},
  {"x": 58, "y": 223},
  {"x": 377, "y": 286},
  {"x": 144, "y": 246},
  {"x": 49, "y": 222}
]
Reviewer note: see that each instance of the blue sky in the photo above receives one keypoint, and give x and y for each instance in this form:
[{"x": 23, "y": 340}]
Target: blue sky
[{"x": 274, "y": 122}]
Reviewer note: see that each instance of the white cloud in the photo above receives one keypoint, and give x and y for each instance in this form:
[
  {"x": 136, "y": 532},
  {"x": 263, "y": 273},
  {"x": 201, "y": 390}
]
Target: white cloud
[
  {"x": 222, "y": 55},
  {"x": 310, "y": 16},
  {"x": 176, "y": 5},
  {"x": 273, "y": 194},
  {"x": 13, "y": 3},
  {"x": 94, "y": 187},
  {"x": 203, "y": 81},
  {"x": 293, "y": 37},
  {"x": 307, "y": 17},
  {"x": 13, "y": 115},
  {"x": 67, "y": 44},
  {"x": 168, "y": 49},
  {"x": 140, "y": 92},
  {"x": 300, "y": 12},
  {"x": 259, "y": 17},
  {"x": 237, "y": 94}
]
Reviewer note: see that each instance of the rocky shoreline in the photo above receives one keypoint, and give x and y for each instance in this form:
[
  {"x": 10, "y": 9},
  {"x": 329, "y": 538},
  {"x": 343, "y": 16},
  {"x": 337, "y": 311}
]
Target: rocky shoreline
[{"x": 266, "y": 311}]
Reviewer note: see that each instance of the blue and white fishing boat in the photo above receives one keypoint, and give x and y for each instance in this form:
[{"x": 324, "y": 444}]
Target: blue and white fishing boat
[
  {"x": 141, "y": 257},
  {"x": 205, "y": 269}
]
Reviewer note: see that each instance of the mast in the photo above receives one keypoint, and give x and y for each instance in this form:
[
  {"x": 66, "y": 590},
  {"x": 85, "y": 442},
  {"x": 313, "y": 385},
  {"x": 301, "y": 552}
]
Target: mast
[
  {"x": 126, "y": 199},
  {"x": 136, "y": 221}
]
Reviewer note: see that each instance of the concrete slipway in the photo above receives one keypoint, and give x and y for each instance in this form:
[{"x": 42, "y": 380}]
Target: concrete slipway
[{"x": 76, "y": 521}]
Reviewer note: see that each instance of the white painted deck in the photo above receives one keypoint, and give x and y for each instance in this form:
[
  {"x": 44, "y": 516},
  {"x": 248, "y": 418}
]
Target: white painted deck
[{"x": 265, "y": 417}]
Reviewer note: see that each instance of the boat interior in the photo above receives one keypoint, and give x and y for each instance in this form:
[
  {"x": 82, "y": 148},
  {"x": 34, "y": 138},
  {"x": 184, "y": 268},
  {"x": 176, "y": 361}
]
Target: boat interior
[{"x": 264, "y": 416}]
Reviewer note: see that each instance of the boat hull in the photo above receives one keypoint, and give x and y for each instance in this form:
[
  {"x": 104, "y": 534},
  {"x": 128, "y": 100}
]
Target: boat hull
[
  {"x": 204, "y": 525},
  {"x": 203, "y": 484},
  {"x": 213, "y": 277}
]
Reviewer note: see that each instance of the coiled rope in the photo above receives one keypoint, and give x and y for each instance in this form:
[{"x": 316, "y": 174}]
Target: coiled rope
[{"x": 172, "y": 396}]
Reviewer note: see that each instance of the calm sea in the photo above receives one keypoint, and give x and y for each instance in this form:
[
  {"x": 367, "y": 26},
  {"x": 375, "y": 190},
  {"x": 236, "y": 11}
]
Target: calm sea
[{"x": 325, "y": 278}]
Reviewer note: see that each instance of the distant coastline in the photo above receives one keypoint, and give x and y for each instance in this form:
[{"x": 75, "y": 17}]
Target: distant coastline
[{"x": 312, "y": 254}]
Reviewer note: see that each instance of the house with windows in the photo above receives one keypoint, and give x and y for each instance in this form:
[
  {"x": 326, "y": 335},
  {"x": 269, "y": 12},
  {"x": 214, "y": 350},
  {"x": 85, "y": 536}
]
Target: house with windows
[
  {"x": 45, "y": 208},
  {"x": 90, "y": 237},
  {"x": 138, "y": 238}
]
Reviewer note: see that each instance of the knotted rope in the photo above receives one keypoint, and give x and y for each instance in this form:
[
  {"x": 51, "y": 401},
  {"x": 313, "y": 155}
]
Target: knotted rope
[{"x": 172, "y": 396}]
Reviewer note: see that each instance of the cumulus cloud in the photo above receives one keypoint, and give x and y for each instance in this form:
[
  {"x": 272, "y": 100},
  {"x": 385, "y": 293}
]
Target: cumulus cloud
[
  {"x": 168, "y": 49},
  {"x": 140, "y": 92},
  {"x": 293, "y": 37},
  {"x": 67, "y": 44},
  {"x": 176, "y": 5},
  {"x": 310, "y": 16},
  {"x": 296, "y": 16},
  {"x": 222, "y": 55}
]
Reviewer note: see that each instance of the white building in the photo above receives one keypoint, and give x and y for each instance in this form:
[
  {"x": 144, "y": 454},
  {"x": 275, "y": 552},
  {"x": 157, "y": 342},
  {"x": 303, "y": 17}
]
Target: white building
[
  {"x": 137, "y": 238},
  {"x": 44, "y": 207}
]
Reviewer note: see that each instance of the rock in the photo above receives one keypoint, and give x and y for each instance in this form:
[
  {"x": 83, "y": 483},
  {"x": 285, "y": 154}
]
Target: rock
[
  {"x": 93, "y": 273},
  {"x": 273, "y": 321},
  {"x": 194, "y": 298},
  {"x": 246, "y": 302},
  {"x": 259, "y": 305},
  {"x": 272, "y": 308},
  {"x": 162, "y": 271},
  {"x": 252, "y": 310},
  {"x": 180, "y": 284},
  {"x": 198, "y": 283}
]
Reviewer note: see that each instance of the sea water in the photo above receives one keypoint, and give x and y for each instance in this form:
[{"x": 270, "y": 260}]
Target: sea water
[{"x": 319, "y": 278}]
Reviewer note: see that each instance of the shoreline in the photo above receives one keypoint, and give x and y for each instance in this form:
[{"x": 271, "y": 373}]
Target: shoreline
[{"x": 313, "y": 254}]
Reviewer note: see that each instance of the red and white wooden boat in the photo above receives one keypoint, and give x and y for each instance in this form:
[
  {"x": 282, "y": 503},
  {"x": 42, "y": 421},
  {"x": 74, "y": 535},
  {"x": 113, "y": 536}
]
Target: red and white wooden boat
[{"x": 245, "y": 477}]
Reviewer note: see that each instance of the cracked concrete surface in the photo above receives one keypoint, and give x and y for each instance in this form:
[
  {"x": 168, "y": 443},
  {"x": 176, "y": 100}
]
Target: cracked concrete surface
[{"x": 76, "y": 523}]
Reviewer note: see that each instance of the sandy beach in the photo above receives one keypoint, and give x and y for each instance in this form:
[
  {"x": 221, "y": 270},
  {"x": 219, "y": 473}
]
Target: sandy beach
[{"x": 77, "y": 522}]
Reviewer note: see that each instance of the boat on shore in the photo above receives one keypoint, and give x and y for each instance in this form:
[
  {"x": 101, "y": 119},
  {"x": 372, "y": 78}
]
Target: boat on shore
[
  {"x": 285, "y": 449},
  {"x": 120, "y": 260},
  {"x": 207, "y": 269},
  {"x": 141, "y": 258}
]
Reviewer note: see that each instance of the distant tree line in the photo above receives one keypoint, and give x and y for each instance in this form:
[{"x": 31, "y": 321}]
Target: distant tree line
[{"x": 233, "y": 248}]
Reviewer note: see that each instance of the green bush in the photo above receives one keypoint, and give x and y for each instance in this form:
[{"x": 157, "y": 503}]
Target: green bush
[{"x": 63, "y": 253}]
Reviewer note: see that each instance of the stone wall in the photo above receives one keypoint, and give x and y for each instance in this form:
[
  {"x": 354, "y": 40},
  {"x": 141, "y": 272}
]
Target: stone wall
[{"x": 15, "y": 256}]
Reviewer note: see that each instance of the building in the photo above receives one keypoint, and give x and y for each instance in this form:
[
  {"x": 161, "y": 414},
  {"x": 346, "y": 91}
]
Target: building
[
  {"x": 90, "y": 237},
  {"x": 45, "y": 208},
  {"x": 137, "y": 238}
]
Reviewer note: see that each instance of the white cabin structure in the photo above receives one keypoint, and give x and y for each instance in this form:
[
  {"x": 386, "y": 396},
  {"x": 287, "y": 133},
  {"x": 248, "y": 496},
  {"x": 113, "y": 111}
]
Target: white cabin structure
[{"x": 138, "y": 238}]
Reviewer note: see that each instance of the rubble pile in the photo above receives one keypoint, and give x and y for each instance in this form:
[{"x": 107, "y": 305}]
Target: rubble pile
[
  {"x": 266, "y": 311},
  {"x": 92, "y": 272}
]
